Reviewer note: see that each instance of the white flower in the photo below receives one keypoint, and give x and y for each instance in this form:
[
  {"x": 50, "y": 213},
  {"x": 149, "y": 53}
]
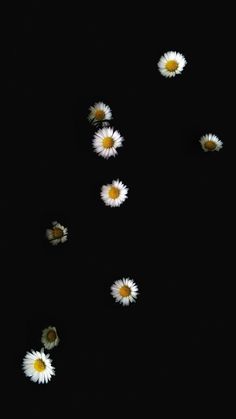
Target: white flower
[
  {"x": 106, "y": 141},
  {"x": 114, "y": 194},
  {"x": 171, "y": 63},
  {"x": 57, "y": 234},
  {"x": 124, "y": 291},
  {"x": 99, "y": 113},
  {"x": 50, "y": 337},
  {"x": 211, "y": 142},
  {"x": 38, "y": 366}
]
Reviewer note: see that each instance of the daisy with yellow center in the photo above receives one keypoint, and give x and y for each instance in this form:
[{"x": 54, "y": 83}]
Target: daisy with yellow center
[
  {"x": 114, "y": 194},
  {"x": 211, "y": 142},
  {"x": 124, "y": 291},
  {"x": 99, "y": 113},
  {"x": 50, "y": 337},
  {"x": 57, "y": 234},
  {"x": 38, "y": 366},
  {"x": 106, "y": 141},
  {"x": 171, "y": 63}
]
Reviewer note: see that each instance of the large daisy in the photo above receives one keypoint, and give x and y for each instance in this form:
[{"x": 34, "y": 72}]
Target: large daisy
[
  {"x": 211, "y": 142},
  {"x": 38, "y": 366},
  {"x": 114, "y": 194},
  {"x": 99, "y": 113},
  {"x": 50, "y": 337},
  {"x": 106, "y": 141},
  {"x": 124, "y": 291},
  {"x": 171, "y": 63},
  {"x": 57, "y": 234}
]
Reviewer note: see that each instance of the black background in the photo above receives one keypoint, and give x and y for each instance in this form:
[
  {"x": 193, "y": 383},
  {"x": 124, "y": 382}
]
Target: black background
[{"x": 172, "y": 235}]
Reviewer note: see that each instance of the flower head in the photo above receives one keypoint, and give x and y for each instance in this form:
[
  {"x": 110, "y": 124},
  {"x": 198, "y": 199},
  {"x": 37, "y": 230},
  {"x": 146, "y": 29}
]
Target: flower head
[
  {"x": 38, "y": 366},
  {"x": 124, "y": 291},
  {"x": 171, "y": 63}
]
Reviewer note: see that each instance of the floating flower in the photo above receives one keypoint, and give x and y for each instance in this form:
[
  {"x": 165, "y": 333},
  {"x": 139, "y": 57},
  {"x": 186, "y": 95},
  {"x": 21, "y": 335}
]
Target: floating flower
[
  {"x": 114, "y": 194},
  {"x": 106, "y": 141},
  {"x": 38, "y": 366},
  {"x": 211, "y": 142},
  {"x": 57, "y": 234},
  {"x": 124, "y": 291},
  {"x": 50, "y": 337},
  {"x": 99, "y": 113},
  {"x": 171, "y": 63}
]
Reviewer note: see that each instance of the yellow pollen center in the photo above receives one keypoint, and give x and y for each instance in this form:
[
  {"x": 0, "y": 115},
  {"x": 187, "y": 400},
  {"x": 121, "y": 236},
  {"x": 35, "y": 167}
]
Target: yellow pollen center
[
  {"x": 210, "y": 145},
  {"x": 171, "y": 65},
  {"x": 107, "y": 142},
  {"x": 125, "y": 291},
  {"x": 113, "y": 192},
  {"x": 39, "y": 365},
  {"x": 99, "y": 114},
  {"x": 51, "y": 336},
  {"x": 57, "y": 232}
]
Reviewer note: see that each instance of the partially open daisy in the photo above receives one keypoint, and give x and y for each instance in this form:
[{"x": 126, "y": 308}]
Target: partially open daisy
[
  {"x": 114, "y": 194},
  {"x": 99, "y": 113},
  {"x": 171, "y": 63},
  {"x": 211, "y": 142},
  {"x": 124, "y": 291},
  {"x": 50, "y": 337},
  {"x": 106, "y": 141},
  {"x": 57, "y": 234},
  {"x": 38, "y": 366}
]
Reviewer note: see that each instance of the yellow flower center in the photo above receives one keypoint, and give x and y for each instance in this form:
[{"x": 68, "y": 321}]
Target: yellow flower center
[
  {"x": 210, "y": 145},
  {"x": 113, "y": 192},
  {"x": 125, "y": 291},
  {"x": 57, "y": 232},
  {"x": 171, "y": 65},
  {"x": 108, "y": 142},
  {"x": 39, "y": 365},
  {"x": 51, "y": 335},
  {"x": 99, "y": 114}
]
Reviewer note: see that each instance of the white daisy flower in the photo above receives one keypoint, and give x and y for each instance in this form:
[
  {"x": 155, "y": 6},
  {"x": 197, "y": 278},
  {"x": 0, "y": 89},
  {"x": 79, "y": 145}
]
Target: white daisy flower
[
  {"x": 124, "y": 291},
  {"x": 211, "y": 142},
  {"x": 114, "y": 194},
  {"x": 99, "y": 113},
  {"x": 38, "y": 366},
  {"x": 50, "y": 337},
  {"x": 106, "y": 141},
  {"x": 57, "y": 234},
  {"x": 171, "y": 63}
]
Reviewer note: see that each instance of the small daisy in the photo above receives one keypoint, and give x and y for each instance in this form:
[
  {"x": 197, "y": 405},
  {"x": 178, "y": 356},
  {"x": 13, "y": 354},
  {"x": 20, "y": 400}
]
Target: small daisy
[
  {"x": 124, "y": 291},
  {"x": 99, "y": 113},
  {"x": 38, "y": 366},
  {"x": 171, "y": 63},
  {"x": 106, "y": 141},
  {"x": 50, "y": 337},
  {"x": 114, "y": 194},
  {"x": 211, "y": 142},
  {"x": 57, "y": 234}
]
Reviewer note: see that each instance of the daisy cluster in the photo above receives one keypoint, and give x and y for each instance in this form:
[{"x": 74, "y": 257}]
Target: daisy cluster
[
  {"x": 171, "y": 64},
  {"x": 37, "y": 365},
  {"x": 106, "y": 141}
]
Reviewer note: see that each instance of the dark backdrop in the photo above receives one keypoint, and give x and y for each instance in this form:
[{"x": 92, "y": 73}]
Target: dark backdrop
[{"x": 171, "y": 235}]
